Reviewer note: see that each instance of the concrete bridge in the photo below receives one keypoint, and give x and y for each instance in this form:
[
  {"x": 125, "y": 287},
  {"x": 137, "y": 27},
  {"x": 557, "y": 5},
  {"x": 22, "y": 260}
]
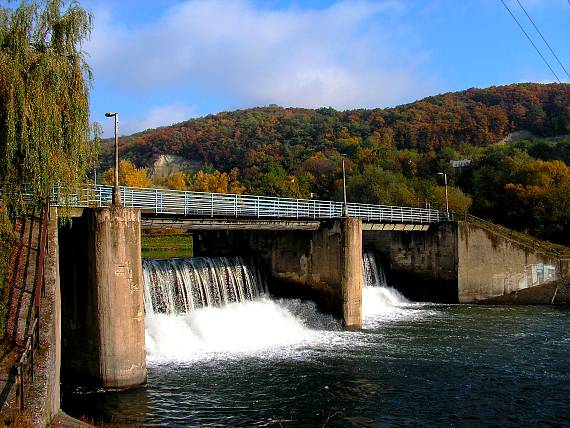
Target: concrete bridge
[{"x": 307, "y": 247}]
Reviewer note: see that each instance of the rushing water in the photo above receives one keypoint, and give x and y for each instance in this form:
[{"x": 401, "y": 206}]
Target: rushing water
[{"x": 267, "y": 362}]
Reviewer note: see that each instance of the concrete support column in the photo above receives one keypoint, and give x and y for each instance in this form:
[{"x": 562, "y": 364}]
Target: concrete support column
[
  {"x": 115, "y": 270},
  {"x": 351, "y": 272},
  {"x": 102, "y": 300}
]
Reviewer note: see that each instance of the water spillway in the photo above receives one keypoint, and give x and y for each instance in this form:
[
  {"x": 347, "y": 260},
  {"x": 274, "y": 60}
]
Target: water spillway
[
  {"x": 176, "y": 286},
  {"x": 206, "y": 308},
  {"x": 372, "y": 272},
  {"x": 181, "y": 286},
  {"x": 380, "y": 302}
]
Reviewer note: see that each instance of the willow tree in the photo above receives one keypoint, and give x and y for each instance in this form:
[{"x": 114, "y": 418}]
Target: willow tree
[{"x": 44, "y": 97}]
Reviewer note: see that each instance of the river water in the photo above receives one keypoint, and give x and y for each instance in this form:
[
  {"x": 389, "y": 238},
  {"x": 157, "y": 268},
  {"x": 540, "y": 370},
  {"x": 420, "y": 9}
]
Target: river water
[{"x": 258, "y": 361}]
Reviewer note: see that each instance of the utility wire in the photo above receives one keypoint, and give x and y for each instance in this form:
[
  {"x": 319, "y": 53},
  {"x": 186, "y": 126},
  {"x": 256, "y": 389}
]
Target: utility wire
[
  {"x": 543, "y": 39},
  {"x": 530, "y": 40}
]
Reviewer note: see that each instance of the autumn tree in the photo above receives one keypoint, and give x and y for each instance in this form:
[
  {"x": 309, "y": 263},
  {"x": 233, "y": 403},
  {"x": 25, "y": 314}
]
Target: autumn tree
[
  {"x": 44, "y": 98},
  {"x": 129, "y": 175},
  {"x": 217, "y": 182},
  {"x": 176, "y": 181}
]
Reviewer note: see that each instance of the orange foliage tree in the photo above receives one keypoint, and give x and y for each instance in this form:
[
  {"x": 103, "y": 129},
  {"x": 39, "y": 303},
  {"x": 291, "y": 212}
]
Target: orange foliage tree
[
  {"x": 218, "y": 182},
  {"x": 129, "y": 175}
]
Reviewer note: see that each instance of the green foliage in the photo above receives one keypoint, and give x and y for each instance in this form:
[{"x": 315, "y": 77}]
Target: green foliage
[
  {"x": 6, "y": 245},
  {"x": 393, "y": 155},
  {"x": 377, "y": 186},
  {"x": 166, "y": 246},
  {"x": 44, "y": 98}
]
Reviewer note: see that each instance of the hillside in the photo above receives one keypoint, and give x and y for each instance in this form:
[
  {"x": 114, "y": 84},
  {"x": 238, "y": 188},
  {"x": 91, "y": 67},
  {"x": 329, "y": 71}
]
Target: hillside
[
  {"x": 394, "y": 154},
  {"x": 477, "y": 117}
]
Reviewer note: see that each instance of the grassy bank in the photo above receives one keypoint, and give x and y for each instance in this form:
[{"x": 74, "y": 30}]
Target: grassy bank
[{"x": 166, "y": 246}]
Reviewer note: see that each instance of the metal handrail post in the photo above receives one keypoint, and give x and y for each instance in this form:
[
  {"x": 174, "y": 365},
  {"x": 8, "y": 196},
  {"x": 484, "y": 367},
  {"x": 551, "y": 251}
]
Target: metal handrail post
[
  {"x": 37, "y": 327},
  {"x": 20, "y": 381},
  {"x": 31, "y": 349}
]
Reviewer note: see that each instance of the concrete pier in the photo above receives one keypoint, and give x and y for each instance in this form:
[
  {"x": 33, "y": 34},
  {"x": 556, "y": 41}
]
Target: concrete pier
[
  {"x": 102, "y": 293},
  {"x": 351, "y": 272}
]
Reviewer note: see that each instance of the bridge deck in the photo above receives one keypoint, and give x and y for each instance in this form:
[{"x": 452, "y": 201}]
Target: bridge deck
[{"x": 162, "y": 202}]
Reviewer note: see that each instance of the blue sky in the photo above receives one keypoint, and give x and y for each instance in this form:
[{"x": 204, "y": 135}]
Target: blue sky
[{"x": 164, "y": 61}]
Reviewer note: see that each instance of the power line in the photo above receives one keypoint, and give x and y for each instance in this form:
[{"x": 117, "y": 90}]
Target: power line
[
  {"x": 530, "y": 40},
  {"x": 543, "y": 39}
]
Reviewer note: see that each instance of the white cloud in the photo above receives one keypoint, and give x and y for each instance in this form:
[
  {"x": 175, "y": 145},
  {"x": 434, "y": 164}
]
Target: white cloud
[{"x": 339, "y": 56}]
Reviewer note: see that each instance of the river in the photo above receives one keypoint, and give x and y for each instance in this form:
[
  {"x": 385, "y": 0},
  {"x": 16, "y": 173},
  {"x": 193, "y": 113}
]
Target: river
[{"x": 272, "y": 362}]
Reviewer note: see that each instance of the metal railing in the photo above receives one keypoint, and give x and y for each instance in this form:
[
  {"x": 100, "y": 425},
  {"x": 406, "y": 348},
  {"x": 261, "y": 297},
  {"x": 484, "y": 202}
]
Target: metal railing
[
  {"x": 32, "y": 341},
  {"x": 32, "y": 344},
  {"x": 203, "y": 204}
]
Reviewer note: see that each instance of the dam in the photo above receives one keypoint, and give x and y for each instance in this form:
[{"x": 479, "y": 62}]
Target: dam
[{"x": 310, "y": 281}]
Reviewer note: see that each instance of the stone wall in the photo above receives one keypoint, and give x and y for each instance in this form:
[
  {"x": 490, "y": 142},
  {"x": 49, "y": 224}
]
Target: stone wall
[{"x": 43, "y": 399}]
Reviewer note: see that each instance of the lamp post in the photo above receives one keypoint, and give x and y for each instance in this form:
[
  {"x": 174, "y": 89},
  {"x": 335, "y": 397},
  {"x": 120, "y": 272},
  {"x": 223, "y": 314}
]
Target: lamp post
[
  {"x": 94, "y": 168},
  {"x": 345, "y": 205},
  {"x": 116, "y": 189},
  {"x": 446, "y": 194}
]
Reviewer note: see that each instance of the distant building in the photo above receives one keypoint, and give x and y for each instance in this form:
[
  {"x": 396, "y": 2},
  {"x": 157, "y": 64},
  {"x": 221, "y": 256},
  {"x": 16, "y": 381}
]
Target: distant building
[{"x": 460, "y": 163}]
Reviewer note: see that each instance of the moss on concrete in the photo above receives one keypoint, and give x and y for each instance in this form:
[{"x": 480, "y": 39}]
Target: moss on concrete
[{"x": 523, "y": 239}]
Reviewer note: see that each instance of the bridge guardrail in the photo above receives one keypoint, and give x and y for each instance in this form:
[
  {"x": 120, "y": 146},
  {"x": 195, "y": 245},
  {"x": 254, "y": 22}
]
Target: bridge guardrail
[{"x": 189, "y": 203}]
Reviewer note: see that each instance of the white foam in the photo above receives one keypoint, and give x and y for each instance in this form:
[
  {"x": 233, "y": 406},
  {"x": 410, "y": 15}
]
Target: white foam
[
  {"x": 386, "y": 304},
  {"x": 263, "y": 325}
]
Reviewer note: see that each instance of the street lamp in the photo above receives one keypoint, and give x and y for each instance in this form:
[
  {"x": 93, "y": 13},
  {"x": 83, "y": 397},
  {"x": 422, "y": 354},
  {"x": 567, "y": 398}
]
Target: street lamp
[
  {"x": 116, "y": 189},
  {"x": 345, "y": 205},
  {"x": 94, "y": 168},
  {"x": 446, "y": 194}
]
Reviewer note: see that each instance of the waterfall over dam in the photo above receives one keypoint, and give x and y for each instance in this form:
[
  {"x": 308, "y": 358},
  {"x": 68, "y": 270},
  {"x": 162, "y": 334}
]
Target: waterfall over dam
[
  {"x": 211, "y": 307},
  {"x": 175, "y": 286}
]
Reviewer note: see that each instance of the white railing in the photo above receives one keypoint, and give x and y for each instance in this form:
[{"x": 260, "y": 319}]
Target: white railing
[{"x": 203, "y": 204}]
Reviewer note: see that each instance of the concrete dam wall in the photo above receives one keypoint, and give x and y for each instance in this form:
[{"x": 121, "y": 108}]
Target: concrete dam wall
[
  {"x": 324, "y": 265},
  {"x": 461, "y": 262},
  {"x": 491, "y": 265},
  {"x": 421, "y": 264},
  {"x": 102, "y": 286}
]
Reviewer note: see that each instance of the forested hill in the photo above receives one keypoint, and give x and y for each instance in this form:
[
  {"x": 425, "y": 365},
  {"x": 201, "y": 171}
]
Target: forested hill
[
  {"x": 248, "y": 138},
  {"x": 394, "y": 154}
]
